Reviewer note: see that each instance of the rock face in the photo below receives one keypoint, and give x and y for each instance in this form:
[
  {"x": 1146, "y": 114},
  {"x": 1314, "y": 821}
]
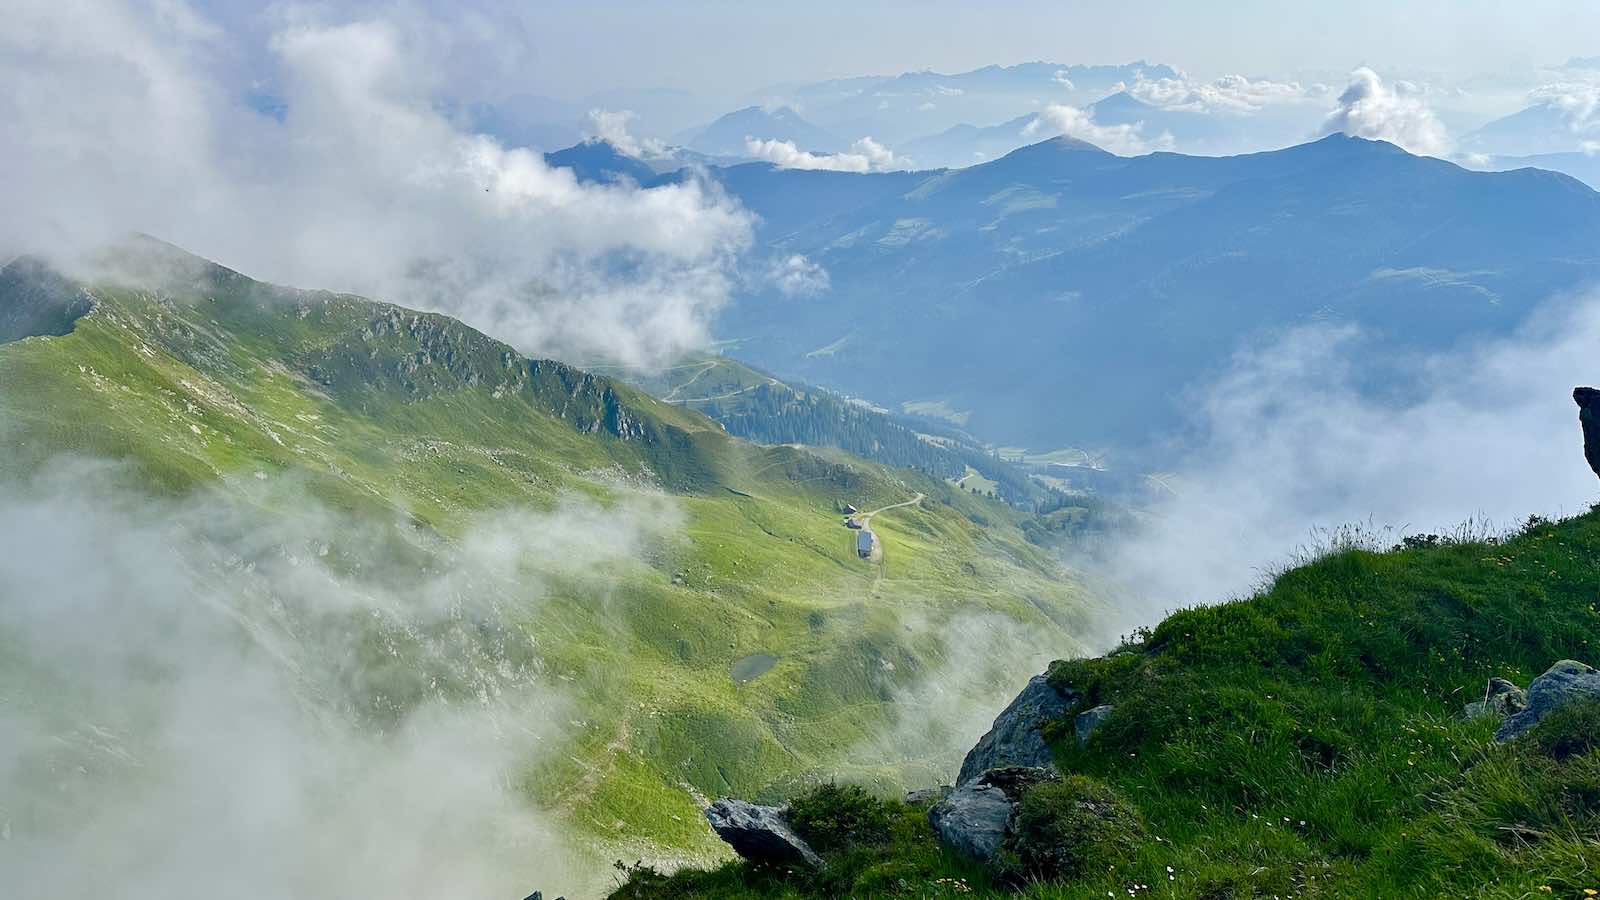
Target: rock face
[
  {"x": 1087, "y": 721},
  {"x": 1500, "y": 699},
  {"x": 1588, "y": 400},
  {"x": 1015, "y": 739},
  {"x": 1564, "y": 682},
  {"x": 759, "y": 834}
]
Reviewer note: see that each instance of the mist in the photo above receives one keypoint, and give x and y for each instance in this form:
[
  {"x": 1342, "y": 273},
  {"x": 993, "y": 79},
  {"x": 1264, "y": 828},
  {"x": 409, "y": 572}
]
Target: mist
[
  {"x": 1295, "y": 444},
  {"x": 242, "y": 692},
  {"x": 126, "y": 116}
]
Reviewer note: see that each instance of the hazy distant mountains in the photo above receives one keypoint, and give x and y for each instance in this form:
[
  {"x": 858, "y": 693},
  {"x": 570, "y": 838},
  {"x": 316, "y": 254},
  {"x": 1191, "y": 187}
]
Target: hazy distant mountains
[
  {"x": 727, "y": 136},
  {"x": 1063, "y": 295},
  {"x": 899, "y": 108}
]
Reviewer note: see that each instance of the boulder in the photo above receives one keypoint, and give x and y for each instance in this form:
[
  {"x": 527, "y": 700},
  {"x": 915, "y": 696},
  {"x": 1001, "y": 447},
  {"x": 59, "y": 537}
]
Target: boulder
[
  {"x": 1087, "y": 721},
  {"x": 1501, "y": 698},
  {"x": 972, "y": 820},
  {"x": 760, "y": 834},
  {"x": 975, "y": 818},
  {"x": 1014, "y": 740},
  {"x": 1588, "y": 400},
  {"x": 1564, "y": 682}
]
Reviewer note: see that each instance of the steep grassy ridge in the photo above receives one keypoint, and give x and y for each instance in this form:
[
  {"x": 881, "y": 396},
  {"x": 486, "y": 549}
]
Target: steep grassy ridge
[{"x": 420, "y": 430}]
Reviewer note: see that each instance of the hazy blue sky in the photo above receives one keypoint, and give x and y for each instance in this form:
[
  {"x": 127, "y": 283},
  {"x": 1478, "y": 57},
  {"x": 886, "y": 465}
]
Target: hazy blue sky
[
  {"x": 726, "y": 49},
  {"x": 715, "y": 44}
]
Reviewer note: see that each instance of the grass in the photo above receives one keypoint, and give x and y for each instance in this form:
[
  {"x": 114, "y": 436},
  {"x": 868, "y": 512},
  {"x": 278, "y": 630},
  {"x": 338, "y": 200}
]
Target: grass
[
  {"x": 1307, "y": 741},
  {"x": 419, "y": 428}
]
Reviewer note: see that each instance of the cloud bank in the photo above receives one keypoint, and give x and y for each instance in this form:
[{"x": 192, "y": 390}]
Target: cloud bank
[
  {"x": 129, "y": 122},
  {"x": 1291, "y": 441},
  {"x": 244, "y": 693},
  {"x": 1230, "y": 94},
  {"x": 1577, "y": 102},
  {"x": 1397, "y": 113},
  {"x": 865, "y": 155}
]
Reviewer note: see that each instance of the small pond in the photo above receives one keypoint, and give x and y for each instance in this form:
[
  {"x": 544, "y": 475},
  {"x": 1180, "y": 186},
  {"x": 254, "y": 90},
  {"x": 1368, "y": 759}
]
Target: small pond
[{"x": 748, "y": 668}]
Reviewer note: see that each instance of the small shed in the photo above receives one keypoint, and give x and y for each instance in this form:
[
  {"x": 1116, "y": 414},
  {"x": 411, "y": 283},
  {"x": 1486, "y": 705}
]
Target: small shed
[
  {"x": 850, "y": 509},
  {"x": 852, "y": 523},
  {"x": 864, "y": 541}
]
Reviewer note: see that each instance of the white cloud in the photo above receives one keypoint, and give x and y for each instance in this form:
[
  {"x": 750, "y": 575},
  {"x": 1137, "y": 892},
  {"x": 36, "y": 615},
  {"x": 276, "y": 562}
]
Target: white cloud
[
  {"x": 1578, "y": 102},
  {"x": 798, "y": 276},
  {"x": 1127, "y": 139},
  {"x": 1396, "y": 113},
  {"x": 1292, "y": 441},
  {"x": 1232, "y": 94},
  {"x": 1060, "y": 77},
  {"x": 120, "y": 119},
  {"x": 865, "y": 155},
  {"x": 246, "y": 693},
  {"x": 611, "y": 126}
]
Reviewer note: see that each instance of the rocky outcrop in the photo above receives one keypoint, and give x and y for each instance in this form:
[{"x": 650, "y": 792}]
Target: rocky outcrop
[
  {"x": 1563, "y": 683},
  {"x": 760, "y": 834},
  {"x": 975, "y": 818},
  {"x": 1089, "y": 720},
  {"x": 1015, "y": 740},
  {"x": 35, "y": 300},
  {"x": 1501, "y": 698},
  {"x": 1588, "y": 400}
]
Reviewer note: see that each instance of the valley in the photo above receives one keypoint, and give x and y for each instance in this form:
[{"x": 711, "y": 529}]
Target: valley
[{"x": 590, "y": 545}]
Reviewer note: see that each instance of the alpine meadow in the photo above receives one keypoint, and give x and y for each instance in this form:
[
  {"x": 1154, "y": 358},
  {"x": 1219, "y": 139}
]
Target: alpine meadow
[{"x": 630, "y": 451}]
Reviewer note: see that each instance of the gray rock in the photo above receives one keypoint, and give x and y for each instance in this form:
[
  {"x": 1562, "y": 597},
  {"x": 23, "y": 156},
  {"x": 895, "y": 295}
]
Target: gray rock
[
  {"x": 1087, "y": 721},
  {"x": 1015, "y": 740},
  {"x": 1501, "y": 698},
  {"x": 925, "y": 796},
  {"x": 1564, "y": 682},
  {"x": 759, "y": 834},
  {"x": 973, "y": 819}
]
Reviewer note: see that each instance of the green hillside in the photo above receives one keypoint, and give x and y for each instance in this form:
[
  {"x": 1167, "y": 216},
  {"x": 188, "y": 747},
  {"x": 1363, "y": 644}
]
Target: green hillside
[
  {"x": 409, "y": 430},
  {"x": 1308, "y": 741},
  {"x": 758, "y": 406}
]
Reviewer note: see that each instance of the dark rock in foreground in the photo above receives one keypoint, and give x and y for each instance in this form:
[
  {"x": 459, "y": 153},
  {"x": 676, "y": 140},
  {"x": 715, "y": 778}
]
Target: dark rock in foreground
[
  {"x": 1588, "y": 400},
  {"x": 1014, "y": 740},
  {"x": 1564, "y": 682},
  {"x": 760, "y": 834}
]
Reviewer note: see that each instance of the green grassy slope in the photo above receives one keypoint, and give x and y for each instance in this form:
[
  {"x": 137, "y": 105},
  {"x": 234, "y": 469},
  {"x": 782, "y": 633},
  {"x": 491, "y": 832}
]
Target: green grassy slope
[
  {"x": 758, "y": 406},
  {"x": 418, "y": 426},
  {"x": 1308, "y": 741}
]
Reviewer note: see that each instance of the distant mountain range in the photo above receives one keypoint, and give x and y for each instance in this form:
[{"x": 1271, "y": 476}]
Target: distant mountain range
[
  {"x": 1065, "y": 296},
  {"x": 899, "y": 108},
  {"x": 1539, "y": 130},
  {"x": 727, "y": 136}
]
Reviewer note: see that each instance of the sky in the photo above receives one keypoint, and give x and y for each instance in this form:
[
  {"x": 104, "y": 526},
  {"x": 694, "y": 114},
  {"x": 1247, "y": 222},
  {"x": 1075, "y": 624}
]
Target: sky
[{"x": 572, "y": 49}]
